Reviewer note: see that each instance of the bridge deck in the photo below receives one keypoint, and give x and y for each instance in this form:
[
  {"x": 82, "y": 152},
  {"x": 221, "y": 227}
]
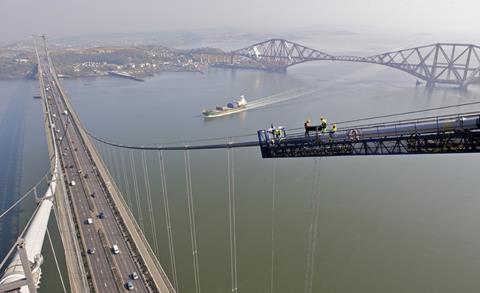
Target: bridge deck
[{"x": 94, "y": 192}]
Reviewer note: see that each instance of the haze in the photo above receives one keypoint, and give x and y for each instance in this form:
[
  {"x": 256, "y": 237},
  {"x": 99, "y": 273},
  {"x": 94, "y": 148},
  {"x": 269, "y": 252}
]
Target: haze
[{"x": 21, "y": 18}]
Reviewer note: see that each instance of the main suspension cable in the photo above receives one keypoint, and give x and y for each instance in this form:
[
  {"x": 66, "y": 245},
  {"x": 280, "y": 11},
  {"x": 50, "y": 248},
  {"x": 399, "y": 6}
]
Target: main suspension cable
[
  {"x": 255, "y": 142},
  {"x": 25, "y": 195}
]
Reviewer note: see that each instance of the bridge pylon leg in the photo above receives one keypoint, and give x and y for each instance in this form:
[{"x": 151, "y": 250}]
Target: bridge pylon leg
[{"x": 26, "y": 266}]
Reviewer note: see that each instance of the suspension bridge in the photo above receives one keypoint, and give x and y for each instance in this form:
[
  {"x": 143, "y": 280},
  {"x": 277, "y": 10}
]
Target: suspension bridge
[
  {"x": 441, "y": 63},
  {"x": 94, "y": 214}
]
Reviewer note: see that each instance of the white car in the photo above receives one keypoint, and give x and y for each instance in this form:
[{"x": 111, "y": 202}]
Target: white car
[
  {"x": 134, "y": 275},
  {"x": 115, "y": 249},
  {"x": 73, "y": 183}
]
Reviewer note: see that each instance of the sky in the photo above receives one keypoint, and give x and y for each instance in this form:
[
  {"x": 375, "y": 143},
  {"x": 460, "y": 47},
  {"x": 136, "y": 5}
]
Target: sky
[{"x": 21, "y": 18}]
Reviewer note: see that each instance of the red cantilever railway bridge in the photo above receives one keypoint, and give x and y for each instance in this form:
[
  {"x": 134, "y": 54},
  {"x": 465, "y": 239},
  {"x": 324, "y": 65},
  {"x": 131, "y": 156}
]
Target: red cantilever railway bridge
[{"x": 442, "y": 63}]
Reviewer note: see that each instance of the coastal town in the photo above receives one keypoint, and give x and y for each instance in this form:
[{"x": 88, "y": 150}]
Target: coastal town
[{"x": 18, "y": 61}]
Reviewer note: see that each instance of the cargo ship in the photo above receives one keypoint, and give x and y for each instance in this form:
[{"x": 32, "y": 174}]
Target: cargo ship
[
  {"x": 236, "y": 106},
  {"x": 124, "y": 75}
]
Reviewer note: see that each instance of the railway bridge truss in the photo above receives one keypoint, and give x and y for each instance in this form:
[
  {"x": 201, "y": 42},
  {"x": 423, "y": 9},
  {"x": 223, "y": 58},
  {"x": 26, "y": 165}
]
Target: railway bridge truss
[{"x": 442, "y": 63}]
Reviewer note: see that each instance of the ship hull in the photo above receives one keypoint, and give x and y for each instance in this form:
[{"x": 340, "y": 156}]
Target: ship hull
[{"x": 217, "y": 113}]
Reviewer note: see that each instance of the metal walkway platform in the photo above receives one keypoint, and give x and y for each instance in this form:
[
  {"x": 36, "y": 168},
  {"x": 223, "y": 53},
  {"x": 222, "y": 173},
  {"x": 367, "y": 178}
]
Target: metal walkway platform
[{"x": 458, "y": 133}]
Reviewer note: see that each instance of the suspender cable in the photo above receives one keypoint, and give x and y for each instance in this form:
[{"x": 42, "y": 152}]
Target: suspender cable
[
  {"x": 229, "y": 180},
  {"x": 135, "y": 188},
  {"x": 191, "y": 215},
  {"x": 56, "y": 261},
  {"x": 107, "y": 158},
  {"x": 273, "y": 225},
  {"x": 116, "y": 167},
  {"x": 101, "y": 151},
  {"x": 111, "y": 162},
  {"x": 312, "y": 242},
  {"x": 125, "y": 180},
  {"x": 161, "y": 162},
  {"x": 148, "y": 191},
  {"x": 231, "y": 216}
]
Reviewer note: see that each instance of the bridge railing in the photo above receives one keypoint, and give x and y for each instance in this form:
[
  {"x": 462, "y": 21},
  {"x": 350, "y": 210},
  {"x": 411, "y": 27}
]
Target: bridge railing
[{"x": 411, "y": 127}]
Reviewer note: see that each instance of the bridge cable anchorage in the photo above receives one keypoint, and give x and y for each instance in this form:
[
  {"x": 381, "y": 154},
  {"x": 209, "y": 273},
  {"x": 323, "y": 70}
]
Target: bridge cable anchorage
[
  {"x": 231, "y": 217},
  {"x": 56, "y": 262},
  {"x": 125, "y": 180},
  {"x": 148, "y": 191},
  {"x": 191, "y": 215},
  {"x": 161, "y": 161},
  {"x": 313, "y": 229},
  {"x": 272, "y": 271},
  {"x": 136, "y": 190}
]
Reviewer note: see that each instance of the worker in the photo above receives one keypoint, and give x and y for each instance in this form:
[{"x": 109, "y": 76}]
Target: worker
[
  {"x": 332, "y": 132},
  {"x": 306, "y": 125},
  {"x": 323, "y": 124},
  {"x": 278, "y": 132}
]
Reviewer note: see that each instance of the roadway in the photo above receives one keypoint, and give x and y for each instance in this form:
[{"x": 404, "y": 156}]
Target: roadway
[{"x": 109, "y": 272}]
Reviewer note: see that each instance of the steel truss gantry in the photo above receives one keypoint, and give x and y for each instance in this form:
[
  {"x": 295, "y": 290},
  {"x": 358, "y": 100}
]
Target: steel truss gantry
[{"x": 458, "y": 134}]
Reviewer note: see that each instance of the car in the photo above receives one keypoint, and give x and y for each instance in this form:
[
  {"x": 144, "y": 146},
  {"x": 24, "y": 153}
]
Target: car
[
  {"x": 72, "y": 183},
  {"x": 76, "y": 149},
  {"x": 93, "y": 194},
  {"x": 89, "y": 221},
  {"x": 85, "y": 176},
  {"x": 101, "y": 215},
  {"x": 134, "y": 275},
  {"x": 129, "y": 285},
  {"x": 91, "y": 251},
  {"x": 71, "y": 166},
  {"x": 115, "y": 249}
]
